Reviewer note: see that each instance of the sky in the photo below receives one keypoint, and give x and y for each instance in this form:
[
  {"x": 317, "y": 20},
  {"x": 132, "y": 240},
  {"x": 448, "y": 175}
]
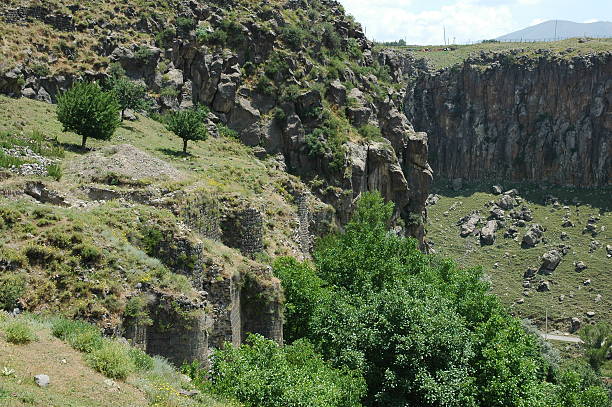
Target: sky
[{"x": 423, "y": 21}]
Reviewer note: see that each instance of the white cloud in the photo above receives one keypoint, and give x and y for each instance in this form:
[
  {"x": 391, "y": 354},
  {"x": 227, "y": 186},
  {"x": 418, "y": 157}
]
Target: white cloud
[
  {"x": 592, "y": 20},
  {"x": 529, "y": 2},
  {"x": 464, "y": 20}
]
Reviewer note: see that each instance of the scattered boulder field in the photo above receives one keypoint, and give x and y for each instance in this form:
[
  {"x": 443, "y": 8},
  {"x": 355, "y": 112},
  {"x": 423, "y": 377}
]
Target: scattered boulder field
[{"x": 541, "y": 246}]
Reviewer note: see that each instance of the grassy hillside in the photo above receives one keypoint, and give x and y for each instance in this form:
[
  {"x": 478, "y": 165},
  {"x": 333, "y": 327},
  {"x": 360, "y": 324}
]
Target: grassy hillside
[
  {"x": 440, "y": 56},
  {"x": 506, "y": 261},
  {"x": 86, "y": 258},
  {"x": 74, "y": 383}
]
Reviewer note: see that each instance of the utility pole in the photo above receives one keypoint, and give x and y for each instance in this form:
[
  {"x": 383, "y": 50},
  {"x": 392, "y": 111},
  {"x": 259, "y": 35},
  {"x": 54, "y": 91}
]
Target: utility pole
[
  {"x": 444, "y": 27},
  {"x": 556, "y": 29}
]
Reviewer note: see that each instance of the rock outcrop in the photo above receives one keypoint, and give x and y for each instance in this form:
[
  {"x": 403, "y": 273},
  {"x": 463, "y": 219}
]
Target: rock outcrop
[
  {"x": 521, "y": 118},
  {"x": 270, "y": 93}
]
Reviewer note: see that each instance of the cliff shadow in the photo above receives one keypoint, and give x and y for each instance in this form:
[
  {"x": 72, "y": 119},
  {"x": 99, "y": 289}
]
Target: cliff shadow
[{"x": 599, "y": 198}]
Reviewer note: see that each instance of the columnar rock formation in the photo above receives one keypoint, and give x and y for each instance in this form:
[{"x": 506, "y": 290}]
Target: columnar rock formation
[{"x": 522, "y": 118}]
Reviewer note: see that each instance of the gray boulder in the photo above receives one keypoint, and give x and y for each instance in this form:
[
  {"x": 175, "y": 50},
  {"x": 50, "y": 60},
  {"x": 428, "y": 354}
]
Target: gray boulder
[
  {"x": 42, "y": 380},
  {"x": 530, "y": 273},
  {"x": 580, "y": 266},
  {"x": 533, "y": 236},
  {"x": 497, "y": 213},
  {"x": 576, "y": 324},
  {"x": 468, "y": 224},
  {"x": 544, "y": 286},
  {"x": 487, "y": 233},
  {"x": 507, "y": 202},
  {"x": 336, "y": 93},
  {"x": 550, "y": 261},
  {"x": 496, "y": 189}
]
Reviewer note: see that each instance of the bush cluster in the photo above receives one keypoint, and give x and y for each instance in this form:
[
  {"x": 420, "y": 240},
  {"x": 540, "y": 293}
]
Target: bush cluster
[
  {"x": 261, "y": 373},
  {"x": 111, "y": 358},
  {"x": 19, "y": 333},
  {"x": 421, "y": 330}
]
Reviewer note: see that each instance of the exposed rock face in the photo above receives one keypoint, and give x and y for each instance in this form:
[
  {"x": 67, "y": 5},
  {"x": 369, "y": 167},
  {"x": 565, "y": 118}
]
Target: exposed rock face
[
  {"x": 185, "y": 72},
  {"x": 523, "y": 119}
]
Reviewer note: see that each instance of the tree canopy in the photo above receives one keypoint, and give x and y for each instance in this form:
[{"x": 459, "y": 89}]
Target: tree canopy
[
  {"x": 88, "y": 111},
  {"x": 188, "y": 124},
  {"x": 421, "y": 330}
]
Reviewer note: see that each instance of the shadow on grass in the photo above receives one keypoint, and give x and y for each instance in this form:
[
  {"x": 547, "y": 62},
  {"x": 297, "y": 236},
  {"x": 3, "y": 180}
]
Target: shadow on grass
[
  {"x": 175, "y": 153},
  {"x": 74, "y": 148},
  {"x": 596, "y": 197}
]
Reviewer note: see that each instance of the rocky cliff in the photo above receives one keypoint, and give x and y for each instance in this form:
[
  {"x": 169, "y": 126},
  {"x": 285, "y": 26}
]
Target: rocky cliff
[
  {"x": 293, "y": 78},
  {"x": 295, "y": 81},
  {"x": 542, "y": 117}
]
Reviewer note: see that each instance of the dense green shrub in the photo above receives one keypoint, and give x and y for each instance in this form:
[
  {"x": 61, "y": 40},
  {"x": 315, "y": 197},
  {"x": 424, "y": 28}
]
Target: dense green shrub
[
  {"x": 112, "y": 359},
  {"x": 129, "y": 94},
  {"x": 294, "y": 36},
  {"x": 88, "y": 111},
  {"x": 19, "y": 333},
  {"x": 165, "y": 37},
  {"x": 143, "y": 53},
  {"x": 80, "y": 335},
  {"x": 12, "y": 287},
  {"x": 370, "y": 132},
  {"x": 263, "y": 374},
  {"x": 421, "y": 330},
  {"x": 55, "y": 171},
  {"x": 141, "y": 361},
  {"x": 226, "y": 132},
  {"x": 597, "y": 343},
  {"x": 304, "y": 290},
  {"x": 185, "y": 24},
  {"x": 89, "y": 254},
  {"x": 188, "y": 125},
  {"x": 9, "y": 217}
]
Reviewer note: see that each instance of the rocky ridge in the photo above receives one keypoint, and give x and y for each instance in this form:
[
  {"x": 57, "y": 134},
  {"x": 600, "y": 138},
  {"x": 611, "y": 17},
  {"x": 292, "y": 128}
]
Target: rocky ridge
[{"x": 261, "y": 75}]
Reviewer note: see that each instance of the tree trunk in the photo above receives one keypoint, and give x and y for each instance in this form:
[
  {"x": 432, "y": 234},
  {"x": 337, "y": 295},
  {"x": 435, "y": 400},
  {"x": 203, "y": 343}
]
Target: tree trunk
[
  {"x": 122, "y": 114},
  {"x": 185, "y": 146},
  {"x": 83, "y": 142}
]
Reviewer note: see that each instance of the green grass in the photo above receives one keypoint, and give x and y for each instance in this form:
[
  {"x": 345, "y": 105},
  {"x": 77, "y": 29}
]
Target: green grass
[
  {"x": 439, "y": 58},
  {"x": 19, "y": 333},
  {"x": 222, "y": 167},
  {"x": 512, "y": 261},
  {"x": 77, "y": 379}
]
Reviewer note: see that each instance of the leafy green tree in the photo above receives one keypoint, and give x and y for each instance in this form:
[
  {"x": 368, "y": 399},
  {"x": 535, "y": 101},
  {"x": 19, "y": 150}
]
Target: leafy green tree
[
  {"x": 129, "y": 94},
  {"x": 88, "y": 111},
  {"x": 597, "y": 344},
  {"x": 421, "y": 330},
  {"x": 577, "y": 390},
  {"x": 304, "y": 290},
  {"x": 261, "y": 373},
  {"x": 188, "y": 124}
]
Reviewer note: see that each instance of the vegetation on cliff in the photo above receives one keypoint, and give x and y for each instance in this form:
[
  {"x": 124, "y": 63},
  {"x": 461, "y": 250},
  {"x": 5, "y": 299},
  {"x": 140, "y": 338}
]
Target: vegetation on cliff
[{"x": 420, "y": 329}]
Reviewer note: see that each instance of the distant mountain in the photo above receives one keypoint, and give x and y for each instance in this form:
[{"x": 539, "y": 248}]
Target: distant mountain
[{"x": 565, "y": 29}]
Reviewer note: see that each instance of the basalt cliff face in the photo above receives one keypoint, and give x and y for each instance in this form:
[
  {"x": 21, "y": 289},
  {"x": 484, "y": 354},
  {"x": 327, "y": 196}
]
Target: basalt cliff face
[{"x": 533, "y": 118}]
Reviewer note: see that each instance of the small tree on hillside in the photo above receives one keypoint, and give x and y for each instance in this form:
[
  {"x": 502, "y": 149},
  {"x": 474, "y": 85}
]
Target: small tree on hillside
[
  {"x": 597, "y": 344},
  {"x": 88, "y": 111},
  {"x": 188, "y": 124},
  {"x": 129, "y": 94}
]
